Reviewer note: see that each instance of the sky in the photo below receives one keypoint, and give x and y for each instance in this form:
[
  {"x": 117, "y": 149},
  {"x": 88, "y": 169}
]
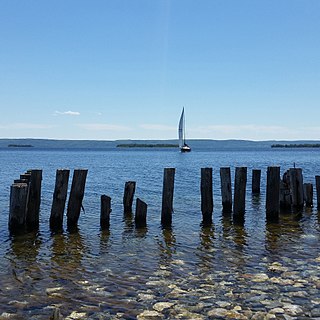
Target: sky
[{"x": 124, "y": 69}]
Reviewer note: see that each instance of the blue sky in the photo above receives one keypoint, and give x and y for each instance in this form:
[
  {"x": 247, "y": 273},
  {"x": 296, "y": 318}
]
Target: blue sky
[{"x": 123, "y": 69}]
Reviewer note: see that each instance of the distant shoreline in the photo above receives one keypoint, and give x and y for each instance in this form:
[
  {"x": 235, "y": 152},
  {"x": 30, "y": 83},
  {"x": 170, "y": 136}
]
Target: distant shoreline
[
  {"x": 144, "y": 145},
  {"x": 302, "y": 145},
  {"x": 20, "y": 146}
]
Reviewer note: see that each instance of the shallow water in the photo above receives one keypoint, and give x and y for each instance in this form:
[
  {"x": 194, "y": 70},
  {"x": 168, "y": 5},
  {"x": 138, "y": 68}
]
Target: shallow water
[{"x": 190, "y": 271}]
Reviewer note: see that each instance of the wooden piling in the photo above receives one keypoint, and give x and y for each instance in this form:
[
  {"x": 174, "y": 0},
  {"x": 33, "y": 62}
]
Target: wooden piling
[
  {"x": 273, "y": 194},
  {"x": 308, "y": 194},
  {"x": 296, "y": 186},
  {"x": 318, "y": 191},
  {"x": 129, "y": 190},
  {"x": 285, "y": 192},
  {"x": 239, "y": 201},
  {"x": 226, "y": 189},
  {"x": 167, "y": 197},
  {"x": 18, "y": 206},
  {"x": 105, "y": 212},
  {"x": 34, "y": 200},
  {"x": 141, "y": 214},
  {"x": 76, "y": 197},
  {"x": 256, "y": 177},
  {"x": 206, "y": 194},
  {"x": 26, "y": 176},
  {"x": 59, "y": 198}
]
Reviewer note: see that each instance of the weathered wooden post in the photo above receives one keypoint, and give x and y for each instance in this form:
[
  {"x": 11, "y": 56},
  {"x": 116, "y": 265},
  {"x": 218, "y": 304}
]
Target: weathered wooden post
[
  {"x": 18, "y": 206},
  {"x": 318, "y": 191},
  {"x": 141, "y": 214},
  {"x": 167, "y": 197},
  {"x": 226, "y": 189},
  {"x": 296, "y": 185},
  {"x": 34, "y": 200},
  {"x": 59, "y": 198},
  {"x": 308, "y": 194},
  {"x": 26, "y": 176},
  {"x": 76, "y": 197},
  {"x": 273, "y": 194},
  {"x": 129, "y": 190},
  {"x": 239, "y": 202},
  {"x": 206, "y": 195},
  {"x": 285, "y": 192},
  {"x": 105, "y": 212},
  {"x": 256, "y": 177}
]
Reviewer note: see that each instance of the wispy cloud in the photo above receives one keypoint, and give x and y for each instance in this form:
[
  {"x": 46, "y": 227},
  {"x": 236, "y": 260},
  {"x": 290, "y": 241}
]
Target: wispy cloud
[
  {"x": 67, "y": 113},
  {"x": 103, "y": 127},
  {"x": 23, "y": 126},
  {"x": 158, "y": 127}
]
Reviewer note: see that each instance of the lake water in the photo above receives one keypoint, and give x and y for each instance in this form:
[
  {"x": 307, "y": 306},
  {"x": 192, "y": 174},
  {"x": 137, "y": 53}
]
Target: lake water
[{"x": 226, "y": 270}]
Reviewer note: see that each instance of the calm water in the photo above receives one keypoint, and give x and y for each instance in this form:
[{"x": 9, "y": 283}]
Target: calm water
[{"x": 124, "y": 273}]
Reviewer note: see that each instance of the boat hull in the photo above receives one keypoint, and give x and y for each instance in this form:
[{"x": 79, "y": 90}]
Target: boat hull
[{"x": 185, "y": 149}]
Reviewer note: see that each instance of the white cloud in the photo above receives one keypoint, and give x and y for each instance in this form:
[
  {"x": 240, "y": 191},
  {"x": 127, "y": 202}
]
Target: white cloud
[
  {"x": 102, "y": 127},
  {"x": 67, "y": 113}
]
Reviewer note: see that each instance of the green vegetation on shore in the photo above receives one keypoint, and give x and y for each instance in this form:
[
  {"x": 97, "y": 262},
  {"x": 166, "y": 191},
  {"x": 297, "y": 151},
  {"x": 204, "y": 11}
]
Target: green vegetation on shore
[
  {"x": 301, "y": 145},
  {"x": 144, "y": 145},
  {"x": 20, "y": 146}
]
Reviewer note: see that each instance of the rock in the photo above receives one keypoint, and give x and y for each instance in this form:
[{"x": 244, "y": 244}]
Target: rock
[
  {"x": 223, "y": 304},
  {"x": 259, "y": 316},
  {"x": 292, "y": 309},
  {"x": 281, "y": 281},
  {"x": 160, "y": 306},
  {"x": 218, "y": 312},
  {"x": 277, "y": 267},
  {"x": 260, "y": 277},
  {"x": 77, "y": 315},
  {"x": 149, "y": 314},
  {"x": 18, "y": 304},
  {"x": 145, "y": 296},
  {"x": 277, "y": 310},
  {"x": 6, "y": 315},
  {"x": 315, "y": 312}
]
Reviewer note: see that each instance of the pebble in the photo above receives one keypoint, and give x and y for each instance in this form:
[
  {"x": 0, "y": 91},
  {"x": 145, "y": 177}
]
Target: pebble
[
  {"x": 160, "y": 306},
  {"x": 260, "y": 277},
  {"x": 146, "y": 296},
  {"x": 6, "y": 315},
  {"x": 77, "y": 315},
  {"x": 149, "y": 314}
]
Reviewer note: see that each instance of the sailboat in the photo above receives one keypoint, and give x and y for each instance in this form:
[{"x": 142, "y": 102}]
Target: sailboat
[{"x": 182, "y": 135}]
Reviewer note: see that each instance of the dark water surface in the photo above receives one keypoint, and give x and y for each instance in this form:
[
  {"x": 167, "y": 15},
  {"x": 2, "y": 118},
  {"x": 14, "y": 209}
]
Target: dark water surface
[{"x": 226, "y": 270}]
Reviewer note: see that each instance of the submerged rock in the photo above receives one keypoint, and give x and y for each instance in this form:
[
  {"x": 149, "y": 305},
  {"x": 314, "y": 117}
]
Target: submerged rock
[
  {"x": 77, "y": 315},
  {"x": 160, "y": 306},
  {"x": 149, "y": 314}
]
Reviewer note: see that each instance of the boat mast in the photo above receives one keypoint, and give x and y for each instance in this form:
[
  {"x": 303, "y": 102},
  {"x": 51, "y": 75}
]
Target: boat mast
[{"x": 184, "y": 129}]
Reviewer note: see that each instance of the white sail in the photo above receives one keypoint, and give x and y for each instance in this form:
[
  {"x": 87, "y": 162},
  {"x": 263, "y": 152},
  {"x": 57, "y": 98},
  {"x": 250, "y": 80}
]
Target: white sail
[{"x": 181, "y": 129}]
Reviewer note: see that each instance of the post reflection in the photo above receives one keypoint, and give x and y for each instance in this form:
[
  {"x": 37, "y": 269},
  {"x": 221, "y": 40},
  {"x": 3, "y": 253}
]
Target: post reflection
[
  {"x": 104, "y": 241},
  {"x": 235, "y": 242},
  {"x": 282, "y": 236},
  {"x": 167, "y": 247},
  {"x": 206, "y": 248},
  {"x": 24, "y": 250},
  {"x": 67, "y": 253}
]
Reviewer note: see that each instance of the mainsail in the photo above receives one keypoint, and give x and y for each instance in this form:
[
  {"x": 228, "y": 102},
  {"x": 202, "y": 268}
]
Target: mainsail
[
  {"x": 181, "y": 130},
  {"x": 182, "y": 136}
]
